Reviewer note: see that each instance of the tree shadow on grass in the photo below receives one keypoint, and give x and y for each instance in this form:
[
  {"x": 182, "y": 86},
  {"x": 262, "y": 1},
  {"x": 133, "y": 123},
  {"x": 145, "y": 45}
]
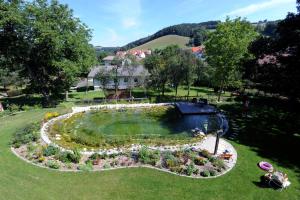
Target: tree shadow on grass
[{"x": 271, "y": 129}]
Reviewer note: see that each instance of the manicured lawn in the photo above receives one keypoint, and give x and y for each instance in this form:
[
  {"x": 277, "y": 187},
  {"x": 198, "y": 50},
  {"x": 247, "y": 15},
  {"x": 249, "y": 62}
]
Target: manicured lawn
[
  {"x": 201, "y": 92},
  {"x": 20, "y": 180}
]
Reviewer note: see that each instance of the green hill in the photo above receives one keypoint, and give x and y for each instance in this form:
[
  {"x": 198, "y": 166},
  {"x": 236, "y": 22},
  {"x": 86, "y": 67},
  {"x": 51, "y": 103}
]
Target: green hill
[{"x": 164, "y": 41}]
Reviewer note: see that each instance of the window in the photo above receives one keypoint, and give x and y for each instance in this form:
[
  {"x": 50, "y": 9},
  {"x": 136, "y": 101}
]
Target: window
[
  {"x": 135, "y": 80},
  {"x": 125, "y": 80}
]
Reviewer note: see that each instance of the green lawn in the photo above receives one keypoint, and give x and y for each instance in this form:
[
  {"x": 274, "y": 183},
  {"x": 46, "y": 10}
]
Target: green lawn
[
  {"x": 201, "y": 92},
  {"x": 164, "y": 41},
  {"x": 261, "y": 138}
]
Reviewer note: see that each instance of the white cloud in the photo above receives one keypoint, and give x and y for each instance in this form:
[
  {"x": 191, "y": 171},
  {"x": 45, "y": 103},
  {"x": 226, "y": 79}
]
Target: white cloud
[
  {"x": 257, "y": 7},
  {"x": 127, "y": 12},
  {"x": 129, "y": 22}
]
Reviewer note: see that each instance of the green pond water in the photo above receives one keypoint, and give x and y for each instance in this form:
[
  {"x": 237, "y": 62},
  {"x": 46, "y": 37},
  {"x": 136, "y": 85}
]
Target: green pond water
[{"x": 119, "y": 127}]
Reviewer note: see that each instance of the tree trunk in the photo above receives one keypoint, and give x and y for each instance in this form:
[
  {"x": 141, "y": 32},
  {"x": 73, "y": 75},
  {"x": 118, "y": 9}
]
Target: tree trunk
[
  {"x": 46, "y": 100},
  {"x": 67, "y": 95},
  {"x": 176, "y": 90},
  {"x": 220, "y": 91},
  {"x": 163, "y": 90},
  {"x": 188, "y": 94},
  {"x": 87, "y": 85},
  {"x": 130, "y": 94}
]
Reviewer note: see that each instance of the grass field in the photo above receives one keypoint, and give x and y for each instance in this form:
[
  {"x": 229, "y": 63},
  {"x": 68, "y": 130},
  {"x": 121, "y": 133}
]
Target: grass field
[
  {"x": 164, "y": 41},
  {"x": 267, "y": 135}
]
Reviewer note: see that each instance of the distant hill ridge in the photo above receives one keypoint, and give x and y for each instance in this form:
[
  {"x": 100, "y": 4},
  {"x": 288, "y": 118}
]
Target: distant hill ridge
[{"x": 185, "y": 29}]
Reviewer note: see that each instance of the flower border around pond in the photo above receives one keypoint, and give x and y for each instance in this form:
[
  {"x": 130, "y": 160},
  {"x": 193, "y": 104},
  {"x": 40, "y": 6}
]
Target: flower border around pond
[
  {"x": 184, "y": 160},
  {"x": 76, "y": 167}
]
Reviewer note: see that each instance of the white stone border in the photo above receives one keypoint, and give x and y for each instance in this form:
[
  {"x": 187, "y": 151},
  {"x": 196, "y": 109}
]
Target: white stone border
[{"x": 229, "y": 167}]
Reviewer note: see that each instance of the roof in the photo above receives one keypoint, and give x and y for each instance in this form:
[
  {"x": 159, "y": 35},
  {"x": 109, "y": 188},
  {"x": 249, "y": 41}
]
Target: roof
[
  {"x": 122, "y": 71},
  {"x": 108, "y": 58},
  {"x": 197, "y": 49}
]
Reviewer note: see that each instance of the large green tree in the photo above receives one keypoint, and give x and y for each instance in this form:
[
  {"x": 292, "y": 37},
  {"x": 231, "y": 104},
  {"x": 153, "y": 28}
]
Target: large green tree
[
  {"x": 276, "y": 67},
  {"x": 51, "y": 44},
  {"x": 225, "y": 49}
]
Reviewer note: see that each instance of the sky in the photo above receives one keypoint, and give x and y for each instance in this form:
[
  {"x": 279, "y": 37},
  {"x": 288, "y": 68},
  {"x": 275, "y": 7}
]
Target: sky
[{"x": 118, "y": 22}]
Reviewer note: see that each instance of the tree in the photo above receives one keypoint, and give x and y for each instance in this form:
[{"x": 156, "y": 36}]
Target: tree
[
  {"x": 100, "y": 56},
  {"x": 188, "y": 64},
  {"x": 225, "y": 49},
  {"x": 276, "y": 65},
  {"x": 51, "y": 44},
  {"x": 202, "y": 72},
  {"x": 117, "y": 63},
  {"x": 199, "y": 36},
  {"x": 130, "y": 65},
  {"x": 175, "y": 71},
  {"x": 156, "y": 65},
  {"x": 104, "y": 77}
]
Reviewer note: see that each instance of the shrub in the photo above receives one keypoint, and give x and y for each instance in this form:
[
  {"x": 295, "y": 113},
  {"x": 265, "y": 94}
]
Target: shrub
[
  {"x": 205, "y": 173},
  {"x": 206, "y": 154},
  {"x": 218, "y": 163},
  {"x": 170, "y": 160},
  {"x": 53, "y": 164},
  {"x": 212, "y": 172},
  {"x": 26, "y": 108},
  {"x": 50, "y": 115},
  {"x": 76, "y": 156},
  {"x": 28, "y": 134},
  {"x": 106, "y": 166},
  {"x": 177, "y": 169},
  {"x": 85, "y": 167},
  {"x": 103, "y": 156},
  {"x": 41, "y": 159},
  {"x": 200, "y": 161},
  {"x": 147, "y": 156},
  {"x": 50, "y": 150},
  {"x": 67, "y": 156},
  {"x": 190, "y": 169},
  {"x": 94, "y": 156},
  {"x": 14, "y": 108}
]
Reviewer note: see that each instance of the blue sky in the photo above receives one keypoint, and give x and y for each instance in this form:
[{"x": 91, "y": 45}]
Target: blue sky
[{"x": 118, "y": 22}]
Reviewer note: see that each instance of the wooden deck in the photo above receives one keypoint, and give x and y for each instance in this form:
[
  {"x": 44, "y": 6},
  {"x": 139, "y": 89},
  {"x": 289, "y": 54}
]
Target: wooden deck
[{"x": 186, "y": 108}]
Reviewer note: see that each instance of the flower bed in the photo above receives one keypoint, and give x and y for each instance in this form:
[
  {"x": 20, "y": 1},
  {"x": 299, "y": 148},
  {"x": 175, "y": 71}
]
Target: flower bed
[{"x": 185, "y": 162}]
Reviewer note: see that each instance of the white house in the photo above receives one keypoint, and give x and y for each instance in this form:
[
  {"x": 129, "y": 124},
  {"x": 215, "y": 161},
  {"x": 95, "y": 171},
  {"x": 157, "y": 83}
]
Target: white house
[{"x": 127, "y": 76}]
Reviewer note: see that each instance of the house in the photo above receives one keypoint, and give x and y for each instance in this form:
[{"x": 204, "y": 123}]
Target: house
[
  {"x": 198, "y": 51},
  {"x": 127, "y": 76}
]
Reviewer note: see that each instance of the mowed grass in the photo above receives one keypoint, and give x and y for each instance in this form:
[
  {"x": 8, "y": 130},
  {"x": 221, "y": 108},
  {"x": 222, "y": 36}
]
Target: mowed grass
[
  {"x": 164, "y": 41},
  {"x": 20, "y": 180}
]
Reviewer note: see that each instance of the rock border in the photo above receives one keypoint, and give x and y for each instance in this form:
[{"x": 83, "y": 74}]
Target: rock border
[{"x": 230, "y": 166}]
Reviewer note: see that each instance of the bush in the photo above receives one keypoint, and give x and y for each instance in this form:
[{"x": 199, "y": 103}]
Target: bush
[
  {"x": 206, "y": 154},
  {"x": 85, "y": 167},
  {"x": 147, "y": 156},
  {"x": 106, "y": 166},
  {"x": 28, "y": 134},
  {"x": 67, "y": 156},
  {"x": 200, "y": 161},
  {"x": 26, "y": 108},
  {"x": 205, "y": 173},
  {"x": 14, "y": 108},
  {"x": 94, "y": 156},
  {"x": 50, "y": 150},
  {"x": 177, "y": 169},
  {"x": 190, "y": 169},
  {"x": 170, "y": 160},
  {"x": 218, "y": 163},
  {"x": 53, "y": 164},
  {"x": 50, "y": 115},
  {"x": 212, "y": 172}
]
